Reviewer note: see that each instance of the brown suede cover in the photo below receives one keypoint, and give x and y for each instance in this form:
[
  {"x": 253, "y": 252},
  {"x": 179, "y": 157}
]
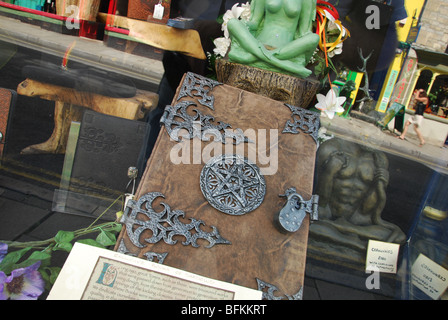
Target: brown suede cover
[{"x": 258, "y": 249}]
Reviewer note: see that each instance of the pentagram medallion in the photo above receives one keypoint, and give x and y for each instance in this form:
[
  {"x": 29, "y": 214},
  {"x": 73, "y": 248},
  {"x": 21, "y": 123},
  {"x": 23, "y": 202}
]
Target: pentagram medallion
[{"x": 232, "y": 184}]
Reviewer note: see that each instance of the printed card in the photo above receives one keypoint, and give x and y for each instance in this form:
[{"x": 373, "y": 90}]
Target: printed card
[
  {"x": 382, "y": 256},
  {"x": 92, "y": 273},
  {"x": 429, "y": 277}
]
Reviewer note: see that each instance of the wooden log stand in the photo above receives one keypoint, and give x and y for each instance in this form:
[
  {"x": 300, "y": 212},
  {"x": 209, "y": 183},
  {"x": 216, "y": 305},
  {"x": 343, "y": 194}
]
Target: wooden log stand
[
  {"x": 69, "y": 106},
  {"x": 278, "y": 86}
]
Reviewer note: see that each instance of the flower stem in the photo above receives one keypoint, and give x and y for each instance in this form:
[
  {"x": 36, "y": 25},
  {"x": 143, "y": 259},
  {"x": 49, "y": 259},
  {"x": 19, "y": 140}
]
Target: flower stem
[
  {"x": 120, "y": 197},
  {"x": 34, "y": 244},
  {"x": 49, "y": 243}
]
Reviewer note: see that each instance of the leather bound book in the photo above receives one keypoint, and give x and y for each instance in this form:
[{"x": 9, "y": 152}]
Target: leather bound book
[
  {"x": 107, "y": 146},
  {"x": 219, "y": 175}
]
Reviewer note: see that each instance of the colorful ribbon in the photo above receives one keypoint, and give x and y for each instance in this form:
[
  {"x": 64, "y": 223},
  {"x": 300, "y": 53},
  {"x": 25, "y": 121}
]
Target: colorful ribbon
[{"x": 322, "y": 9}]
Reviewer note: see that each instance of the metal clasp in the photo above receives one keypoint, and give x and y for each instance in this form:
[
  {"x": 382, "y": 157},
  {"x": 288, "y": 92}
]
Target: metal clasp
[
  {"x": 291, "y": 216},
  {"x": 132, "y": 174}
]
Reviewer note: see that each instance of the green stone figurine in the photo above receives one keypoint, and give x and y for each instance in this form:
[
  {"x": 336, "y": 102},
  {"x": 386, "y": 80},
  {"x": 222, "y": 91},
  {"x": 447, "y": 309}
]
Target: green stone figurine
[{"x": 278, "y": 37}]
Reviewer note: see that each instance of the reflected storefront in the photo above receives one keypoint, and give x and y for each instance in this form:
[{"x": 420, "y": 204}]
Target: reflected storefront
[
  {"x": 428, "y": 70},
  {"x": 432, "y": 75}
]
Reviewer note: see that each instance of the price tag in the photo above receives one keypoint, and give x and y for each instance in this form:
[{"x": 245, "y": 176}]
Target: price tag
[
  {"x": 382, "y": 256},
  {"x": 158, "y": 11},
  {"x": 429, "y": 277}
]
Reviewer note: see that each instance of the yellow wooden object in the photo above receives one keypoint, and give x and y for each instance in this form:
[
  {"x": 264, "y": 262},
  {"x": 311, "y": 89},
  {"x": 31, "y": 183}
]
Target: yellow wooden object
[
  {"x": 69, "y": 104},
  {"x": 186, "y": 41},
  {"x": 413, "y": 8}
]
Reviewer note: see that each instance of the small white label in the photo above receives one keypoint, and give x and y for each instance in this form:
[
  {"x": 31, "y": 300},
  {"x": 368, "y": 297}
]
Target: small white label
[
  {"x": 158, "y": 11},
  {"x": 382, "y": 256},
  {"x": 429, "y": 277}
]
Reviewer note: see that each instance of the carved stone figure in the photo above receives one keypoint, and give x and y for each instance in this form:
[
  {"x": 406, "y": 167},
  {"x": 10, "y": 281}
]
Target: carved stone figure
[
  {"x": 351, "y": 184},
  {"x": 278, "y": 37}
]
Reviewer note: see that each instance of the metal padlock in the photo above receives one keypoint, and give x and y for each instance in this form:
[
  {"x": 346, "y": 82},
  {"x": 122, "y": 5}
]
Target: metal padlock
[{"x": 291, "y": 216}]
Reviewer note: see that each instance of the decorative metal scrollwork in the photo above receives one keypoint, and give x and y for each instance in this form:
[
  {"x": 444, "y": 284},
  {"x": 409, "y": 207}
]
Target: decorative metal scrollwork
[
  {"x": 269, "y": 292},
  {"x": 177, "y": 119},
  {"x": 233, "y": 185},
  {"x": 305, "y": 120},
  {"x": 198, "y": 86},
  {"x": 140, "y": 216}
]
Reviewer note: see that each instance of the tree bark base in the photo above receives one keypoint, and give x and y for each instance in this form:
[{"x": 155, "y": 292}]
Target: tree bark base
[{"x": 281, "y": 87}]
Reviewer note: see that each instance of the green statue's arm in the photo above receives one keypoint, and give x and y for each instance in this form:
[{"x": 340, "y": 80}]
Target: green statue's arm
[
  {"x": 257, "y": 8},
  {"x": 307, "y": 16}
]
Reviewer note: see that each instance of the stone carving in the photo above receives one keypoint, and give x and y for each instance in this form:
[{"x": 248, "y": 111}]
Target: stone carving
[{"x": 351, "y": 184}]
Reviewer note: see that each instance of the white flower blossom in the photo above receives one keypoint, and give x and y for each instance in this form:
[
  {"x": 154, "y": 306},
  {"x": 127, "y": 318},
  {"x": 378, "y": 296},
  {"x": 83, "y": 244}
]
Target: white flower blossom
[
  {"x": 332, "y": 25},
  {"x": 336, "y": 50},
  {"x": 236, "y": 12},
  {"x": 245, "y": 14},
  {"x": 221, "y": 46},
  {"x": 330, "y": 104}
]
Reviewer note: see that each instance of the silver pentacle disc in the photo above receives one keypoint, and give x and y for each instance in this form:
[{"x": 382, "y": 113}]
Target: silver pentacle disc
[{"x": 232, "y": 184}]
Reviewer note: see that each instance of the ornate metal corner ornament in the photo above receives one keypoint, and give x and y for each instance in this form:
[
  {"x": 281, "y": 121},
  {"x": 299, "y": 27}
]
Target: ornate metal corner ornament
[
  {"x": 303, "y": 119},
  {"x": 139, "y": 216},
  {"x": 150, "y": 256},
  {"x": 198, "y": 86},
  {"x": 269, "y": 290},
  {"x": 232, "y": 184},
  {"x": 177, "y": 120},
  {"x": 291, "y": 216}
]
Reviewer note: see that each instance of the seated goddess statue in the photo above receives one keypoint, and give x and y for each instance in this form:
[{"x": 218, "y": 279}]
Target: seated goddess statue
[{"x": 278, "y": 37}]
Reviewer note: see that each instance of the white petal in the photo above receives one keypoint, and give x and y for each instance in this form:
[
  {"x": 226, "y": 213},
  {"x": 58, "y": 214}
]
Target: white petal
[
  {"x": 331, "y": 97},
  {"x": 321, "y": 107},
  {"x": 341, "y": 100},
  {"x": 330, "y": 114},
  {"x": 321, "y": 98},
  {"x": 226, "y": 32},
  {"x": 236, "y": 10},
  {"x": 338, "y": 109}
]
